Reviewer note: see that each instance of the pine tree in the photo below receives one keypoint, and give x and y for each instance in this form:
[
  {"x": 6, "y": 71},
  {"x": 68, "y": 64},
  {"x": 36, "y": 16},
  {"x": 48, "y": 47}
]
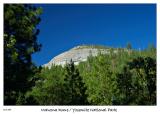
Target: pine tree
[
  {"x": 124, "y": 81},
  {"x": 74, "y": 88},
  {"x": 137, "y": 82},
  {"x": 146, "y": 69},
  {"x": 20, "y": 41},
  {"x": 129, "y": 46}
]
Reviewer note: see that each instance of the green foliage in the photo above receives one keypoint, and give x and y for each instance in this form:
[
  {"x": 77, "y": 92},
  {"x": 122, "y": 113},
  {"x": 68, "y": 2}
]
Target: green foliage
[
  {"x": 98, "y": 77},
  {"x": 146, "y": 72},
  {"x": 137, "y": 82},
  {"x": 124, "y": 84},
  {"x": 59, "y": 86},
  {"x": 93, "y": 46},
  {"x": 74, "y": 88},
  {"x": 49, "y": 87},
  {"x": 111, "y": 80},
  {"x": 129, "y": 46},
  {"x": 20, "y": 41},
  {"x": 118, "y": 78}
]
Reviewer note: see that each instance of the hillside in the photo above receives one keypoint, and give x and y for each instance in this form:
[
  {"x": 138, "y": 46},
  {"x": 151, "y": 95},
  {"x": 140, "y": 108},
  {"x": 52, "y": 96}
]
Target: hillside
[
  {"x": 115, "y": 77},
  {"x": 79, "y": 54}
]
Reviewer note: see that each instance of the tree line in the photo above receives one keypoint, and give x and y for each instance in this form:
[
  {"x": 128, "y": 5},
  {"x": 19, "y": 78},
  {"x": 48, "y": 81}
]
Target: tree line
[{"x": 121, "y": 78}]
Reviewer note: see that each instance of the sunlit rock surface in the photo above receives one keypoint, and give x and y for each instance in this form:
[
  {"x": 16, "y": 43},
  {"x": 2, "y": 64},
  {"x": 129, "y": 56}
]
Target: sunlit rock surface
[{"x": 77, "y": 54}]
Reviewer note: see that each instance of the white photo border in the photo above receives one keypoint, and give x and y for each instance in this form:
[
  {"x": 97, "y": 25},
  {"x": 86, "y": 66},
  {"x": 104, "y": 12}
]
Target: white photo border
[{"x": 120, "y": 109}]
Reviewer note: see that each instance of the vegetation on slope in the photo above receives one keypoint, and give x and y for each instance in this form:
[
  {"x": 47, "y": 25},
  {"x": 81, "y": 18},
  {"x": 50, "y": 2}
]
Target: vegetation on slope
[
  {"x": 123, "y": 78},
  {"x": 91, "y": 46}
]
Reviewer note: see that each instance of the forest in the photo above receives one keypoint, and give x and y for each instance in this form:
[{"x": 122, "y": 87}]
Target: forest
[{"x": 127, "y": 77}]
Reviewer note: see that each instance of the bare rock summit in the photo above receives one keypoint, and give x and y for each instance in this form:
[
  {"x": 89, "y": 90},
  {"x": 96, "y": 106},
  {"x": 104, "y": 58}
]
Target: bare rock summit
[{"x": 77, "y": 54}]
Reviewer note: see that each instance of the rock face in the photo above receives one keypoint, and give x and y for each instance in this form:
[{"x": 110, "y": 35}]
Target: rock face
[{"x": 77, "y": 54}]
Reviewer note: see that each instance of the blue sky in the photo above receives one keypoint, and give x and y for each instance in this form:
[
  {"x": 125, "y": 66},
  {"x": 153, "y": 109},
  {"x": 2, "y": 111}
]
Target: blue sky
[{"x": 64, "y": 26}]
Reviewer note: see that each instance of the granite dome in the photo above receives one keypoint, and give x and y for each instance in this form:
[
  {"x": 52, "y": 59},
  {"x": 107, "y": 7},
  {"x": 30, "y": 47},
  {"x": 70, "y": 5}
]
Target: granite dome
[{"x": 77, "y": 54}]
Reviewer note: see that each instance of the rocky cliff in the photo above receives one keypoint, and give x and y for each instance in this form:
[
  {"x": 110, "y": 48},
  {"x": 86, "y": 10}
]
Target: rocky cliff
[{"x": 77, "y": 54}]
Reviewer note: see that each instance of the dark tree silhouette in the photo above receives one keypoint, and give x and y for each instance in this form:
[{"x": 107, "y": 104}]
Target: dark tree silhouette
[
  {"x": 20, "y": 41},
  {"x": 74, "y": 87},
  {"x": 137, "y": 82},
  {"x": 148, "y": 65},
  {"x": 129, "y": 46}
]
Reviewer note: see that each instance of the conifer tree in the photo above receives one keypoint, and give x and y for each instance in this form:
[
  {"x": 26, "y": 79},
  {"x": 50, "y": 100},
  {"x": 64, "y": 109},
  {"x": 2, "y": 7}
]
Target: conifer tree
[
  {"x": 20, "y": 41},
  {"x": 74, "y": 88},
  {"x": 125, "y": 86},
  {"x": 129, "y": 46}
]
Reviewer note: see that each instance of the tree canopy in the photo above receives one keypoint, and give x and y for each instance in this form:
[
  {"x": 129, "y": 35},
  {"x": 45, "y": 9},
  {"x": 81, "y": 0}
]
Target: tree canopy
[{"x": 20, "y": 41}]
